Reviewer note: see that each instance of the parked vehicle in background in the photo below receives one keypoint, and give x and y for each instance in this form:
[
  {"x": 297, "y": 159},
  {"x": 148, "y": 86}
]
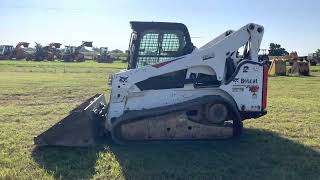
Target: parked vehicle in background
[
  {"x": 38, "y": 54},
  {"x": 9, "y": 52},
  {"x": 104, "y": 56},
  {"x": 72, "y": 53},
  {"x": 5, "y": 51},
  {"x": 49, "y": 52},
  {"x": 314, "y": 59},
  {"x": 52, "y": 51}
]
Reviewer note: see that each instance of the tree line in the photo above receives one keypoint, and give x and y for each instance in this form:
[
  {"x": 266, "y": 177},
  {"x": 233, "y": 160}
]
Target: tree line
[{"x": 276, "y": 50}]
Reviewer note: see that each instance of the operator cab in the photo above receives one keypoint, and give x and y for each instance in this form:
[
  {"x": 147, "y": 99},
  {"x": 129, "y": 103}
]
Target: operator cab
[{"x": 156, "y": 42}]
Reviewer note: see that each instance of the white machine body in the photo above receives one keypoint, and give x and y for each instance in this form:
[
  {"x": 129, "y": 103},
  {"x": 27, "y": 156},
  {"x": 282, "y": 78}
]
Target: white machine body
[{"x": 245, "y": 86}]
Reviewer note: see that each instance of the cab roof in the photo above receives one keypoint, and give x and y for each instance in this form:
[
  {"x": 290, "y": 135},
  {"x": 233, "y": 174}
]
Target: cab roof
[{"x": 140, "y": 26}]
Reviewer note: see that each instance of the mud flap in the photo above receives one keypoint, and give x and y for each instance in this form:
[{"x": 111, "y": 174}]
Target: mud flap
[{"x": 82, "y": 127}]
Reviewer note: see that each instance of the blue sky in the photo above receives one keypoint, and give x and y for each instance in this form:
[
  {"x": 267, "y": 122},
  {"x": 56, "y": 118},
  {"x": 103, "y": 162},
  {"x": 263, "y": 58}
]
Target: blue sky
[{"x": 292, "y": 23}]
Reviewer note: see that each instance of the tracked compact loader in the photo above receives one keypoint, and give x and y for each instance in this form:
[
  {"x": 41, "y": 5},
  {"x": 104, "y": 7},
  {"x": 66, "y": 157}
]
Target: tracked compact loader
[
  {"x": 73, "y": 54},
  {"x": 172, "y": 90},
  {"x": 104, "y": 56}
]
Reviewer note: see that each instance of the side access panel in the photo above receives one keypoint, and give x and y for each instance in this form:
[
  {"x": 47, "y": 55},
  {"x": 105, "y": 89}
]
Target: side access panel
[{"x": 247, "y": 86}]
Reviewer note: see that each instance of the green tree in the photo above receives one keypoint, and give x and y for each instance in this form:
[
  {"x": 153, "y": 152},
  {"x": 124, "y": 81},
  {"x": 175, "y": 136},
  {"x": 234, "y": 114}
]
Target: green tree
[
  {"x": 318, "y": 52},
  {"x": 277, "y": 50}
]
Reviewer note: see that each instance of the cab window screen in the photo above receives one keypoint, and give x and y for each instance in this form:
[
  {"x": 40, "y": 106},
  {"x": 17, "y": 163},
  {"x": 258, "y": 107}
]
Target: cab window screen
[
  {"x": 156, "y": 47},
  {"x": 170, "y": 43},
  {"x": 148, "y": 49}
]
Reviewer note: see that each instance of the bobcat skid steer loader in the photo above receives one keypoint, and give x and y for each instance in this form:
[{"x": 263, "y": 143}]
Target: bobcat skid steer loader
[{"x": 172, "y": 90}]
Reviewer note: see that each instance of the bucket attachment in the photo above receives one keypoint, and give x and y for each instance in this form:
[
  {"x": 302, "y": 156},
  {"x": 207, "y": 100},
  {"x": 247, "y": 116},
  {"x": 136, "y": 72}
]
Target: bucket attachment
[
  {"x": 82, "y": 127},
  {"x": 56, "y": 45},
  {"x": 25, "y": 44},
  {"x": 87, "y": 43},
  {"x": 277, "y": 68}
]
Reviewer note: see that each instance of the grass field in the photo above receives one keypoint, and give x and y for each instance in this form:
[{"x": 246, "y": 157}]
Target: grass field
[{"x": 285, "y": 144}]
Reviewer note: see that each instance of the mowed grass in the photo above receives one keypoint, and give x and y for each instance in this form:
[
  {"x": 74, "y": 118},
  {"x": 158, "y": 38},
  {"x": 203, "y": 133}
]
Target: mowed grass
[{"x": 284, "y": 144}]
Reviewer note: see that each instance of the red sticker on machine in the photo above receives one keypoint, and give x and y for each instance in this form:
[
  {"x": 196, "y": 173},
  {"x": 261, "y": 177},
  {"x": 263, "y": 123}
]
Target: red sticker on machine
[{"x": 254, "y": 88}]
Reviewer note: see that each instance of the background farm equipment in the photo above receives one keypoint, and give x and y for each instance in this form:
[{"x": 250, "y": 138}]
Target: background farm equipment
[
  {"x": 5, "y": 52},
  {"x": 8, "y": 52},
  {"x": 298, "y": 65},
  {"x": 300, "y": 68},
  {"x": 292, "y": 57},
  {"x": 104, "y": 56},
  {"x": 278, "y": 67},
  {"x": 72, "y": 53},
  {"x": 38, "y": 54},
  {"x": 52, "y": 51},
  {"x": 49, "y": 52},
  {"x": 314, "y": 59},
  {"x": 19, "y": 52}
]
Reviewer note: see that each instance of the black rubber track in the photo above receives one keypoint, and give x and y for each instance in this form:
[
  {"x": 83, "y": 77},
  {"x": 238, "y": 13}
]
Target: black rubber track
[{"x": 136, "y": 115}]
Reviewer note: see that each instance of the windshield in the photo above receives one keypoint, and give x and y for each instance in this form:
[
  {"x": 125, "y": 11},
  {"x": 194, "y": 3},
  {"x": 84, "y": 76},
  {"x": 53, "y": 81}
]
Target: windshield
[
  {"x": 104, "y": 50},
  {"x": 69, "y": 49}
]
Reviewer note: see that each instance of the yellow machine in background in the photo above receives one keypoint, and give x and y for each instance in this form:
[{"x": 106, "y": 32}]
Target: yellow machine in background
[
  {"x": 291, "y": 65},
  {"x": 299, "y": 66},
  {"x": 277, "y": 68}
]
